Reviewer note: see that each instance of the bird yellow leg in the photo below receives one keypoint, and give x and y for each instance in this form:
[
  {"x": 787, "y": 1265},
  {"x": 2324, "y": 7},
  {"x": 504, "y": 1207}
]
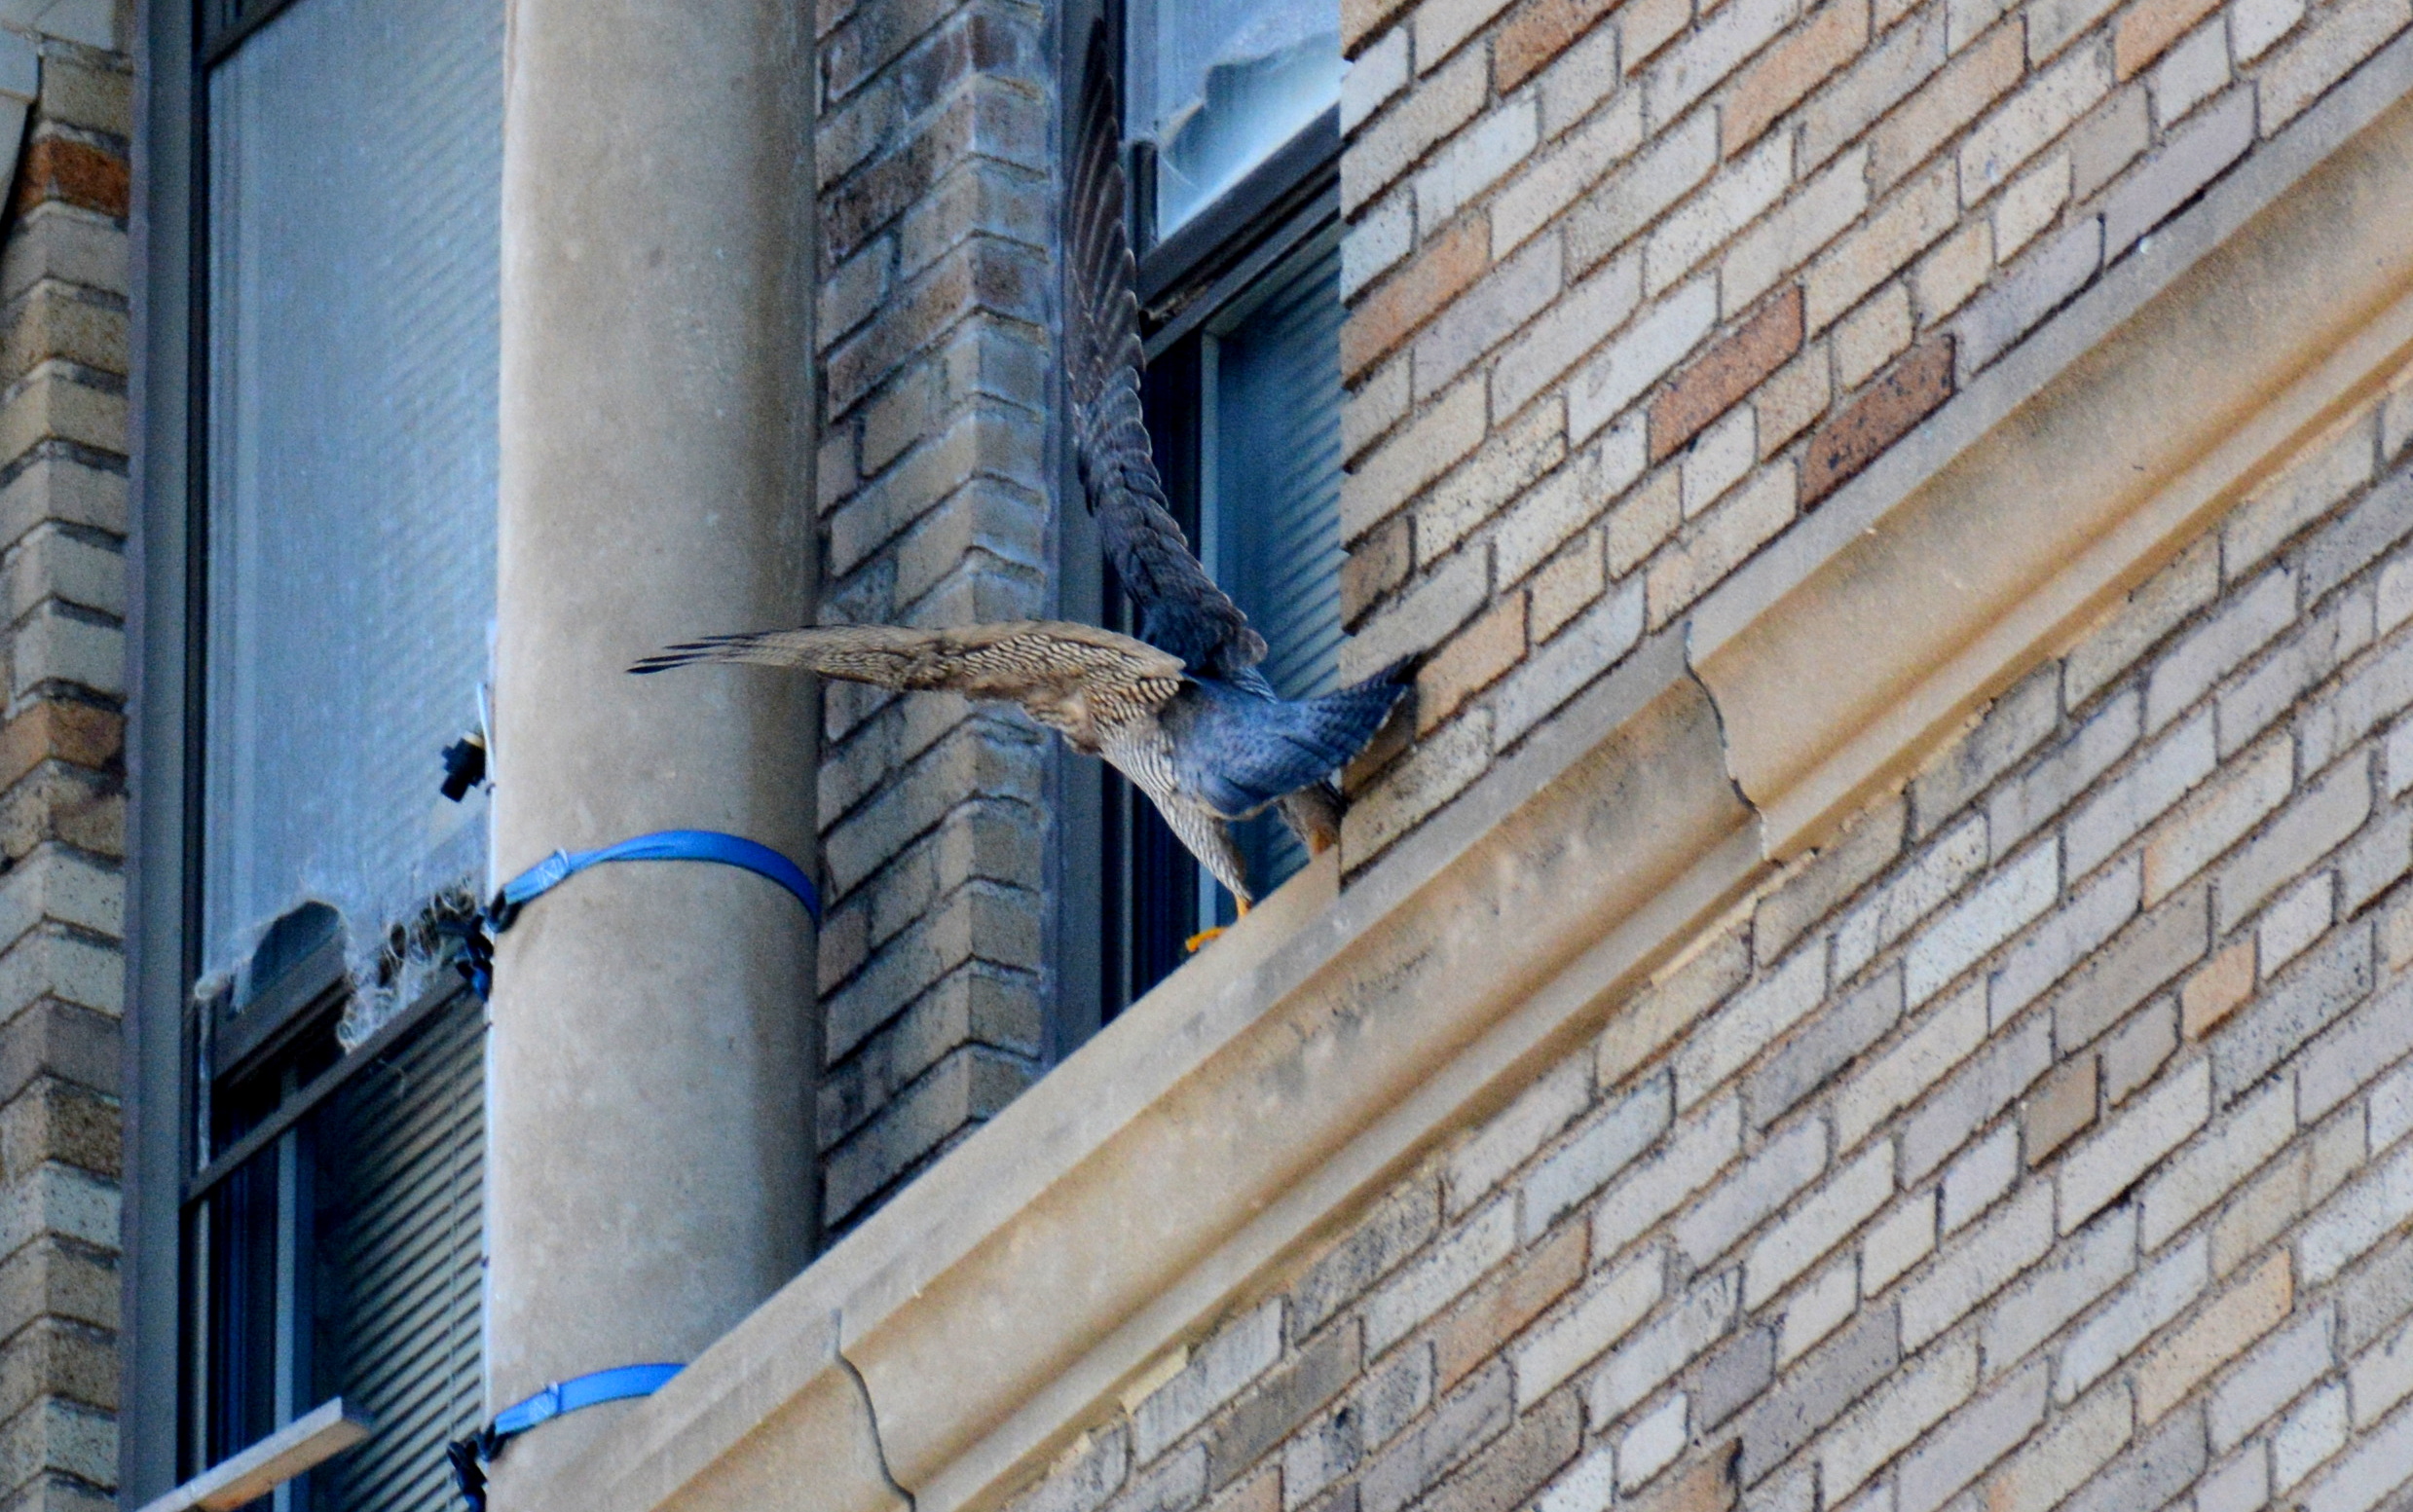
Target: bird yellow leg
[{"x": 1198, "y": 942}]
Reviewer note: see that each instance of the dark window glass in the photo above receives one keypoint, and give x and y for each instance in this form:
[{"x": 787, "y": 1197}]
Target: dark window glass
[{"x": 1245, "y": 414}]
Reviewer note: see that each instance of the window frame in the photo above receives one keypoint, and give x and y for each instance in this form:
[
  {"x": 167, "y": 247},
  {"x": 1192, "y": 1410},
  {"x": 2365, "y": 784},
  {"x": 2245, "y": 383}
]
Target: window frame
[
  {"x": 1184, "y": 283},
  {"x": 175, "y": 1039}
]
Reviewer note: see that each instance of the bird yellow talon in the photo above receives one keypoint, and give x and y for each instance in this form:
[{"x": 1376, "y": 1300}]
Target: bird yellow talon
[{"x": 1199, "y": 940}]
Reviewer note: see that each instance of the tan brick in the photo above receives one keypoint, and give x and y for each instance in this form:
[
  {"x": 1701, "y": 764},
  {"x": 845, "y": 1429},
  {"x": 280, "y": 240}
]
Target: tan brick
[
  {"x": 2347, "y": 34},
  {"x": 2109, "y": 140},
  {"x": 1788, "y": 402},
  {"x": 1380, "y": 402},
  {"x": 2218, "y": 1335},
  {"x": 1899, "y": 61},
  {"x": 1567, "y": 587},
  {"x": 1361, "y": 19},
  {"x": 1553, "y": 180},
  {"x": 2145, "y": 31},
  {"x": 80, "y": 734},
  {"x": 2029, "y": 122},
  {"x": 1539, "y": 31},
  {"x": 1872, "y": 336},
  {"x": 2397, "y": 934},
  {"x": 1377, "y": 564},
  {"x": 1729, "y": 534},
  {"x": 1476, "y": 1331},
  {"x": 1727, "y": 372},
  {"x": 1383, "y": 319},
  {"x": 2062, "y": 1105},
  {"x": 2292, "y": 1185},
  {"x": 1707, "y": 1487},
  {"x": 97, "y": 99},
  {"x": 1953, "y": 271},
  {"x": 1380, "y": 151},
  {"x": 56, "y": 323},
  {"x": 2219, "y": 818},
  {"x": 1430, "y": 446},
  {"x": 1505, "y": 466},
  {"x": 2031, "y": 203},
  {"x": 1470, "y": 661},
  {"x": 1858, "y": 436},
  {"x": 1648, "y": 26},
  {"x": 1947, "y": 102},
  {"x": 1260, "y": 1492},
  {"x": 1434, "y": 772},
  {"x": 1824, "y": 209},
  {"x": 1790, "y": 70},
  {"x": 1649, "y": 517},
  {"x": 2214, "y": 993},
  {"x": 1924, "y": 211}
]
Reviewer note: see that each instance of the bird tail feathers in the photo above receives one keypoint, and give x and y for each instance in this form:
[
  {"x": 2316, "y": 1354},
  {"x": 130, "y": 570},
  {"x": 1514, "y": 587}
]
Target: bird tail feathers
[{"x": 1273, "y": 749}]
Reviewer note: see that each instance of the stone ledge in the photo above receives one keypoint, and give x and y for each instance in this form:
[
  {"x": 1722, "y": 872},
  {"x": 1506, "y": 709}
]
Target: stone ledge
[{"x": 1163, "y": 1176}]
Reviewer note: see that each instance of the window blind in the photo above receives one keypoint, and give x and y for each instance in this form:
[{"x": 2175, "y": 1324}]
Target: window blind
[{"x": 1274, "y": 495}]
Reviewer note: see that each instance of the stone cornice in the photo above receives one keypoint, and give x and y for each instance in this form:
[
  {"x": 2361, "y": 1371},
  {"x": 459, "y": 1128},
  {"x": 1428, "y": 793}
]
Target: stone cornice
[{"x": 1164, "y": 1174}]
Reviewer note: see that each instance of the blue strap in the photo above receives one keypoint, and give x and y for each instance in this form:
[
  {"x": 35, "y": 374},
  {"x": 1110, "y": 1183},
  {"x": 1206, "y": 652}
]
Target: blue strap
[
  {"x": 618, "y": 1383},
  {"x": 477, "y": 932},
  {"x": 728, "y": 850},
  {"x": 468, "y": 1457}
]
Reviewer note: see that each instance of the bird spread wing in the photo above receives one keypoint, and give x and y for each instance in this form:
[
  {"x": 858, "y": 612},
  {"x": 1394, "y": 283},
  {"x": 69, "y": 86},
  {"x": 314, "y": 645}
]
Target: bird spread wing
[
  {"x": 1069, "y": 677},
  {"x": 1181, "y": 607}
]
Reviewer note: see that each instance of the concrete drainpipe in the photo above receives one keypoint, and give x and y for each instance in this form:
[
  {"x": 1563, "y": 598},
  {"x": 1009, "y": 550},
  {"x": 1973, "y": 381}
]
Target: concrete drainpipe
[{"x": 654, "y": 1036}]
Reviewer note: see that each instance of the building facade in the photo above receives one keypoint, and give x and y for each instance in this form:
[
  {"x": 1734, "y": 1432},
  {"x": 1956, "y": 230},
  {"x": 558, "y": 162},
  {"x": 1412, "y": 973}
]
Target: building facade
[{"x": 1871, "y": 973}]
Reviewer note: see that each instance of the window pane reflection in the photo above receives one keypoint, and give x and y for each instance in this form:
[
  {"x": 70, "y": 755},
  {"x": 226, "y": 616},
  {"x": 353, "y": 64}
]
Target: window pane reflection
[
  {"x": 1217, "y": 84},
  {"x": 355, "y": 202}
]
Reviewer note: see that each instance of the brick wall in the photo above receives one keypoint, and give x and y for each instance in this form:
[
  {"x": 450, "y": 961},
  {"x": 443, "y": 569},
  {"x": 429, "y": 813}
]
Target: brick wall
[
  {"x": 938, "y": 212},
  {"x": 1633, "y": 289},
  {"x": 2041, "y": 1142},
  {"x": 64, "y": 335}
]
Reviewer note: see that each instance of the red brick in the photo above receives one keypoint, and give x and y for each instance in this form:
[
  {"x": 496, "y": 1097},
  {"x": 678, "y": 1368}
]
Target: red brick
[
  {"x": 1536, "y": 33},
  {"x": 74, "y": 173},
  {"x": 1730, "y": 370},
  {"x": 1476, "y": 1333},
  {"x": 1385, "y": 317},
  {"x": 77, "y": 733},
  {"x": 1877, "y": 418}
]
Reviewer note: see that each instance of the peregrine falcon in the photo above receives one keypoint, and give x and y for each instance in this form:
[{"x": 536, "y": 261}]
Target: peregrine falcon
[{"x": 1183, "y": 709}]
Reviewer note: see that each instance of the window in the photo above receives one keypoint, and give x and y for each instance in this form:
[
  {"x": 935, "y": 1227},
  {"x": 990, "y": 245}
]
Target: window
[
  {"x": 1235, "y": 142},
  {"x": 341, "y": 413},
  {"x": 334, "y": 1235},
  {"x": 1216, "y": 87}
]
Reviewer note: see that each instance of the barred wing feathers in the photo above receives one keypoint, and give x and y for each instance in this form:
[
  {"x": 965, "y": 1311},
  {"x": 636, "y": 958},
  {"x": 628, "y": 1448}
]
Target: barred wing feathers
[
  {"x": 1067, "y": 675},
  {"x": 1181, "y": 607}
]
